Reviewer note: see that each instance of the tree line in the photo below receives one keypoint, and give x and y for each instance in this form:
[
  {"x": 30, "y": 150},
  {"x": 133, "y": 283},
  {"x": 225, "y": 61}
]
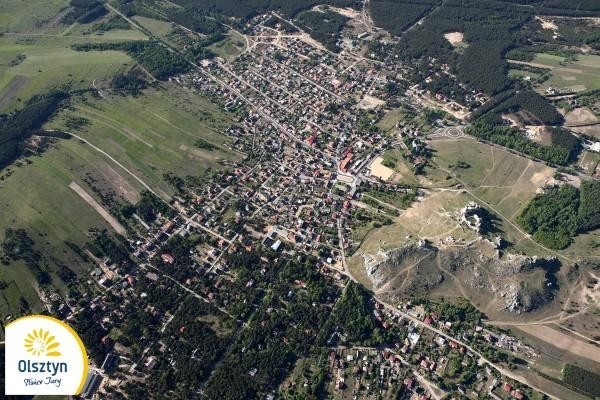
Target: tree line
[
  {"x": 154, "y": 57},
  {"x": 487, "y": 128}
]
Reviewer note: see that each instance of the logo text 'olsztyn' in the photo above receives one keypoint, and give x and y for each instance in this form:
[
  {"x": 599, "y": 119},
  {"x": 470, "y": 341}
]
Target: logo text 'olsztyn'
[{"x": 43, "y": 356}]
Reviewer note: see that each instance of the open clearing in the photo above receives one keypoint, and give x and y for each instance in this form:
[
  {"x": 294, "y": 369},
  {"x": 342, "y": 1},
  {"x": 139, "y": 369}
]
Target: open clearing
[
  {"x": 430, "y": 218},
  {"x": 582, "y": 74},
  {"x": 96, "y": 206},
  {"x": 503, "y": 179},
  {"x": 160, "y": 28},
  {"x": 369, "y": 102},
  {"x": 230, "y": 47},
  {"x": 455, "y": 38}
]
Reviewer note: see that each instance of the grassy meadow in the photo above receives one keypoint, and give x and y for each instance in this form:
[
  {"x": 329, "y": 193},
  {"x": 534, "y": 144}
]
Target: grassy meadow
[{"x": 154, "y": 133}]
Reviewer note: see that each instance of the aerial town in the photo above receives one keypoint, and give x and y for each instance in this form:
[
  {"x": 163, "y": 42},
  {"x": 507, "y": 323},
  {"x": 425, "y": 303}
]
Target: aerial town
[{"x": 348, "y": 224}]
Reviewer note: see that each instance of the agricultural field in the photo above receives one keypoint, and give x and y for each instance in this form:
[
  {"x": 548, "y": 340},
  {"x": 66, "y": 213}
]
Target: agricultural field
[
  {"x": 53, "y": 213},
  {"x": 159, "y": 28},
  {"x": 20, "y": 15},
  {"x": 154, "y": 133},
  {"x": 579, "y": 75},
  {"x": 52, "y": 66},
  {"x": 41, "y": 58}
]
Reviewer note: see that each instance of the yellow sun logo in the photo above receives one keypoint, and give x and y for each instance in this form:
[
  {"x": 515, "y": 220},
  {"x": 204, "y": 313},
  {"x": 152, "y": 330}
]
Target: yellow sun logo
[{"x": 41, "y": 343}]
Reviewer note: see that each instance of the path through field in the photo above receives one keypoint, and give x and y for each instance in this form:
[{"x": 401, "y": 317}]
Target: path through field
[{"x": 96, "y": 206}]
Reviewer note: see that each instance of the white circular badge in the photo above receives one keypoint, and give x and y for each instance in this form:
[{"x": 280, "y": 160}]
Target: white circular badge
[{"x": 43, "y": 356}]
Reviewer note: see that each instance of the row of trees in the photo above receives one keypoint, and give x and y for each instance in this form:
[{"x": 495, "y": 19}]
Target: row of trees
[
  {"x": 487, "y": 129},
  {"x": 157, "y": 59}
]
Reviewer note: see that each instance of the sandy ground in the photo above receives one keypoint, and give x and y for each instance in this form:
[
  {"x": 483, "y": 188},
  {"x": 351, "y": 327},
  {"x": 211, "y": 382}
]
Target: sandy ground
[
  {"x": 96, "y": 206},
  {"x": 455, "y": 38},
  {"x": 368, "y": 102},
  {"x": 379, "y": 170},
  {"x": 346, "y": 12},
  {"x": 547, "y": 23},
  {"x": 562, "y": 341},
  {"x": 539, "y": 134},
  {"x": 581, "y": 115}
]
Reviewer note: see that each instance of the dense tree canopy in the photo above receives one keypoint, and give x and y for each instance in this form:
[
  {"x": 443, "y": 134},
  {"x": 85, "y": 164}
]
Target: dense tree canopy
[
  {"x": 556, "y": 216},
  {"x": 15, "y": 129}
]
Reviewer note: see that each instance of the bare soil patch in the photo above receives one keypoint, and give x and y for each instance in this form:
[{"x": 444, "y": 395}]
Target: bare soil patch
[
  {"x": 547, "y": 23},
  {"x": 346, "y": 12},
  {"x": 581, "y": 115},
  {"x": 368, "y": 102},
  {"x": 456, "y": 39},
  {"x": 379, "y": 170}
]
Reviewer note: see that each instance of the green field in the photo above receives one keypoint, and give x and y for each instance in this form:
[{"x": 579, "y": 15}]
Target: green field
[
  {"x": 548, "y": 60},
  {"x": 229, "y": 47},
  {"x": 49, "y": 63},
  {"x": 25, "y": 15},
  {"x": 390, "y": 119},
  {"x": 522, "y": 74},
  {"x": 154, "y": 133},
  {"x": 506, "y": 182},
  {"x": 36, "y": 197},
  {"x": 582, "y": 74},
  {"x": 159, "y": 28},
  {"x": 431, "y": 176}
]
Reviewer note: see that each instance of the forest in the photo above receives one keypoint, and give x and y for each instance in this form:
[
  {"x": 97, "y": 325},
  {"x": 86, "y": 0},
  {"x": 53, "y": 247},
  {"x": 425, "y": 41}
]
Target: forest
[
  {"x": 490, "y": 29},
  {"x": 130, "y": 82},
  {"x": 324, "y": 27},
  {"x": 246, "y": 9},
  {"x": 555, "y": 217},
  {"x": 528, "y": 100},
  {"x": 196, "y": 20},
  {"x": 16, "y": 128},
  {"x": 84, "y": 11},
  {"x": 552, "y": 217},
  {"x": 397, "y": 15}
]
